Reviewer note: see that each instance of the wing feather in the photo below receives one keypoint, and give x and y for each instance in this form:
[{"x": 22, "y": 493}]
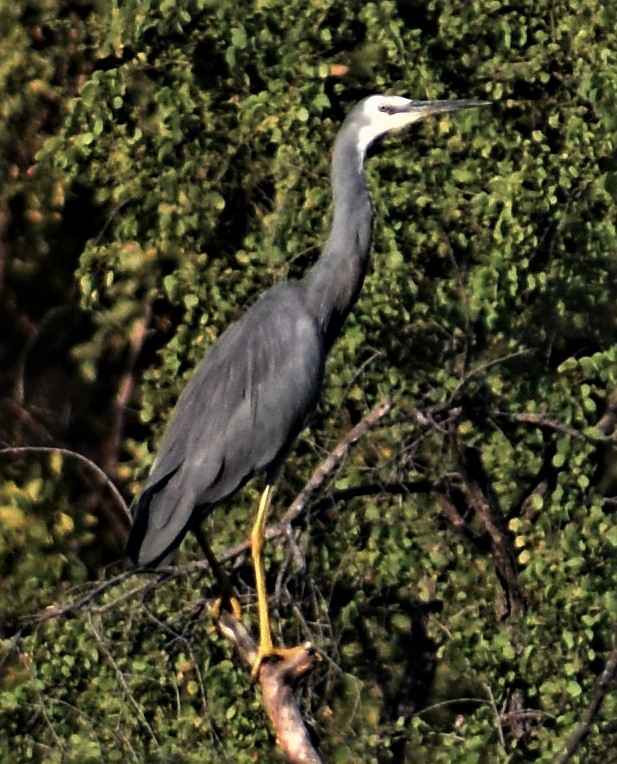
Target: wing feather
[{"x": 239, "y": 415}]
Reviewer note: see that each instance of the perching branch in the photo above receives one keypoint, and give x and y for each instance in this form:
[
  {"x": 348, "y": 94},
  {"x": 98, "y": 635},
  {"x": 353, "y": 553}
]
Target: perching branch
[{"x": 278, "y": 681}]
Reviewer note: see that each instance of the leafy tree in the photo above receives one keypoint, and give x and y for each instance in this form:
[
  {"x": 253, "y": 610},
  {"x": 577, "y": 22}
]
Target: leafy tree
[{"x": 162, "y": 163}]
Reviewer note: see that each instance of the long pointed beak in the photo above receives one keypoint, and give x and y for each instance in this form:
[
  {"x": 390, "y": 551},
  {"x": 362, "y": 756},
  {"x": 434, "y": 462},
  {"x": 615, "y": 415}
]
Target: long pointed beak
[{"x": 441, "y": 107}]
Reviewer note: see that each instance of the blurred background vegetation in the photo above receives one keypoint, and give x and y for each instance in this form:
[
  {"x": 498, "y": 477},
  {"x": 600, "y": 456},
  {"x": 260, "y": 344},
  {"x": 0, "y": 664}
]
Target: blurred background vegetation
[{"x": 161, "y": 164}]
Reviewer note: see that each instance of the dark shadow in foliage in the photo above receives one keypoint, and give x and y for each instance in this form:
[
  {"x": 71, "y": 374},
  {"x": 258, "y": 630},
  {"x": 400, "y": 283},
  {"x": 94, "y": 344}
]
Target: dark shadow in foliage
[
  {"x": 44, "y": 400},
  {"x": 47, "y": 323},
  {"x": 412, "y": 651},
  {"x": 209, "y": 64}
]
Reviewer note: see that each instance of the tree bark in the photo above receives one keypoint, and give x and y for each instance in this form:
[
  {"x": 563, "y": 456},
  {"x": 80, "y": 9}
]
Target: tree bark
[{"x": 278, "y": 681}]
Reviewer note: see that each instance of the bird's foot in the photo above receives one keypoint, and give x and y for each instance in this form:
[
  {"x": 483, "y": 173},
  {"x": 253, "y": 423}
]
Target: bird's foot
[
  {"x": 229, "y": 603},
  {"x": 271, "y": 654}
]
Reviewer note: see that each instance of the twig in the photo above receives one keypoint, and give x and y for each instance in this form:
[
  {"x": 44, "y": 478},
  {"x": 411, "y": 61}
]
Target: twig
[
  {"x": 478, "y": 371},
  {"x": 56, "y": 611},
  {"x": 329, "y": 465},
  {"x": 22, "y": 450},
  {"x": 35, "y": 684},
  {"x": 35, "y": 429},
  {"x": 278, "y": 681},
  {"x": 443, "y": 495},
  {"x": 119, "y": 675},
  {"x": 603, "y": 683},
  {"x": 496, "y": 714},
  {"x": 540, "y": 420},
  {"x": 125, "y": 387}
]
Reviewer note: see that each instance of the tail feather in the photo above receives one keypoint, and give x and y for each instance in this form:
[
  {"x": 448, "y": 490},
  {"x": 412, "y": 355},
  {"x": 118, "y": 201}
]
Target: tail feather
[{"x": 141, "y": 541}]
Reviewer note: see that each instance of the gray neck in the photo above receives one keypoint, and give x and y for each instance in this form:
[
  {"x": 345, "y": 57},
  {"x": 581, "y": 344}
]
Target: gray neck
[{"x": 333, "y": 284}]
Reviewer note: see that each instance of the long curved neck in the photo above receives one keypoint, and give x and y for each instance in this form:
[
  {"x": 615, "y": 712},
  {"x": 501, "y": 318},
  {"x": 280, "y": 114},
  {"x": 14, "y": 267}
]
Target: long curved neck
[{"x": 333, "y": 284}]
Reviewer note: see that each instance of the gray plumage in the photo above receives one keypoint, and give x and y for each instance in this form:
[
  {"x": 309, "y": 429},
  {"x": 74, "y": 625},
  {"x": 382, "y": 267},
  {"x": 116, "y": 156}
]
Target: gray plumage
[{"x": 259, "y": 384}]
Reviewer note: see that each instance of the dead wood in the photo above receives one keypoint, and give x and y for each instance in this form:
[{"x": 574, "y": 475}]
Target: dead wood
[{"x": 278, "y": 680}]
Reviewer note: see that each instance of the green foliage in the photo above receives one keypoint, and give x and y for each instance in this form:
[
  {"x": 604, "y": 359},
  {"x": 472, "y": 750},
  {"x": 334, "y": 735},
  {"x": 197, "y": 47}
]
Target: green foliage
[
  {"x": 181, "y": 167},
  {"x": 37, "y": 528}
]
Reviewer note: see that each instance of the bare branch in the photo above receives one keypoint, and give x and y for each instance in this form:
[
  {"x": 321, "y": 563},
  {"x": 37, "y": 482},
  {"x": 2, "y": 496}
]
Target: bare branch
[
  {"x": 444, "y": 496},
  {"x": 278, "y": 681},
  {"x": 496, "y": 714},
  {"x": 539, "y": 420},
  {"x": 154, "y": 579},
  {"x": 281, "y": 528},
  {"x": 486, "y": 505},
  {"x": 477, "y": 372}
]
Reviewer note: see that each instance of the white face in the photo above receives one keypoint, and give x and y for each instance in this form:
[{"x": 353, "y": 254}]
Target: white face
[{"x": 383, "y": 114}]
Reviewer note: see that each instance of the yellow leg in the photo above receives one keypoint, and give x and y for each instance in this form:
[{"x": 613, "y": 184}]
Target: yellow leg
[
  {"x": 266, "y": 648},
  {"x": 228, "y": 598},
  {"x": 257, "y": 544}
]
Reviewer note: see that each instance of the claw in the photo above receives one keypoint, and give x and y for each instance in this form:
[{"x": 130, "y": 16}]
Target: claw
[
  {"x": 231, "y": 604},
  {"x": 274, "y": 654}
]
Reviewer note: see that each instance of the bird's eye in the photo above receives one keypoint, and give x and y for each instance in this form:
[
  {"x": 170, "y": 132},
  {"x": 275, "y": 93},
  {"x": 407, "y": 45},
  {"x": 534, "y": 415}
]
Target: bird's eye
[{"x": 385, "y": 108}]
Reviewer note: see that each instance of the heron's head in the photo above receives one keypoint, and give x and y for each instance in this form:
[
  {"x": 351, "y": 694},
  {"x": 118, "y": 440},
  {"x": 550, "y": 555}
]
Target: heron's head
[{"x": 380, "y": 114}]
